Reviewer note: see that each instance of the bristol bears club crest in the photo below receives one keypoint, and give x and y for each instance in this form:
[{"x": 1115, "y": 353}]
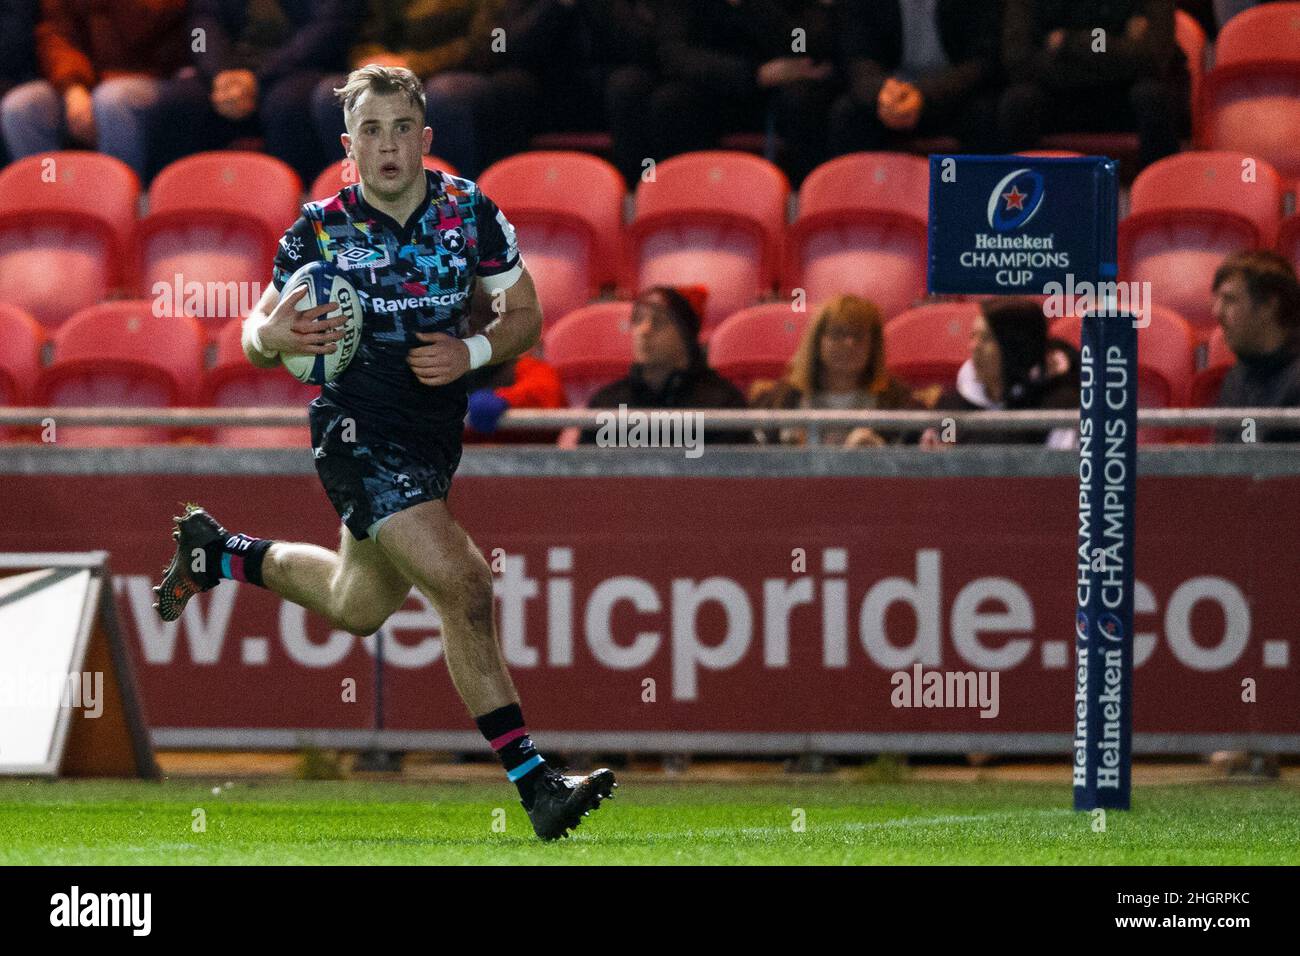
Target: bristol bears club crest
[
  {"x": 453, "y": 239},
  {"x": 1016, "y": 199}
]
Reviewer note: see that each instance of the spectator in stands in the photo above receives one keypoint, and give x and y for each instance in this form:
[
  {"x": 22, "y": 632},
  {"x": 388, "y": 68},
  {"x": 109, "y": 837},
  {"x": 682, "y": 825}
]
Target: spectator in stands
[
  {"x": 1257, "y": 304},
  {"x": 553, "y": 74},
  {"x": 668, "y": 368},
  {"x": 257, "y": 68},
  {"x": 524, "y": 382},
  {"x": 840, "y": 365},
  {"x": 17, "y": 49},
  {"x": 434, "y": 40},
  {"x": 103, "y": 68},
  {"x": 727, "y": 66},
  {"x": 917, "y": 69},
  {"x": 1074, "y": 66},
  {"x": 1013, "y": 366}
]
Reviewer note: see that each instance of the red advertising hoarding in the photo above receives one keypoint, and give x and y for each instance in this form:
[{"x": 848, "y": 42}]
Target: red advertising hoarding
[{"x": 711, "y": 609}]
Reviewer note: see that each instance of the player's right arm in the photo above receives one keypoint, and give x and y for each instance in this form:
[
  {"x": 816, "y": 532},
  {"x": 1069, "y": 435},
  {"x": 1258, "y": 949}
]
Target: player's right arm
[{"x": 275, "y": 327}]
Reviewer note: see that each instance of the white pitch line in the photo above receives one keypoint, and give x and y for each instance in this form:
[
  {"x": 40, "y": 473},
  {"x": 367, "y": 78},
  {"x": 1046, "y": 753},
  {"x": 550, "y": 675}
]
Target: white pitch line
[{"x": 858, "y": 825}]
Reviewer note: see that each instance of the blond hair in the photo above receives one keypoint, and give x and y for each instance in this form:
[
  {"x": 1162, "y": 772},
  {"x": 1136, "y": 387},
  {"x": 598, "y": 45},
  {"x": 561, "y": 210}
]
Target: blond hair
[
  {"x": 380, "y": 80},
  {"x": 805, "y": 369}
]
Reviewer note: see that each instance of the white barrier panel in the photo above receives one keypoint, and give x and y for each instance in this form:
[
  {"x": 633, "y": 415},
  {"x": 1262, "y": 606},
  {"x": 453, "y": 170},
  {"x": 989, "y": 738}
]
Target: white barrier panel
[{"x": 68, "y": 704}]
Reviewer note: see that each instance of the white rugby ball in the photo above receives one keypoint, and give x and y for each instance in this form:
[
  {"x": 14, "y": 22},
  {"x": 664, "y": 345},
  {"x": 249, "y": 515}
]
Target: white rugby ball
[{"x": 325, "y": 284}]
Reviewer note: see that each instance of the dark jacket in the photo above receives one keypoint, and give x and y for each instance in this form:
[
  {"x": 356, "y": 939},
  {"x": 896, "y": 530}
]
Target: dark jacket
[
  {"x": 274, "y": 38},
  {"x": 547, "y": 35},
  {"x": 17, "y": 41},
  {"x": 1266, "y": 381},
  {"x": 720, "y": 44},
  {"x": 895, "y": 397},
  {"x": 1060, "y": 391},
  {"x": 1027, "y": 23},
  {"x": 697, "y": 387},
  {"x": 871, "y": 48}
]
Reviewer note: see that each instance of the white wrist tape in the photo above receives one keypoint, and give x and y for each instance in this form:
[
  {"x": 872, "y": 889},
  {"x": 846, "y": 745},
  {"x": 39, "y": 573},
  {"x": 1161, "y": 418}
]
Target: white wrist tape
[
  {"x": 255, "y": 339},
  {"x": 480, "y": 350}
]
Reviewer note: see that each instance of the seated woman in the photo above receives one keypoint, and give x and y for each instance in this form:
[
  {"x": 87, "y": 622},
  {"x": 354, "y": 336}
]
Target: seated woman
[
  {"x": 840, "y": 365},
  {"x": 1013, "y": 366}
]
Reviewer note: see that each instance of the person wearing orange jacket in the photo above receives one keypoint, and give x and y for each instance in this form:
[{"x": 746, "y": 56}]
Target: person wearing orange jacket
[
  {"x": 527, "y": 382},
  {"x": 104, "y": 64}
]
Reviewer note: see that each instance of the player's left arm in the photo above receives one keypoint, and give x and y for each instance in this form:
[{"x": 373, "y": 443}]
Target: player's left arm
[
  {"x": 504, "y": 296},
  {"x": 514, "y": 317}
]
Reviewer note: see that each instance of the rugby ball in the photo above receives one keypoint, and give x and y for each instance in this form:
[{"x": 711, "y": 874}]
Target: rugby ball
[{"x": 325, "y": 284}]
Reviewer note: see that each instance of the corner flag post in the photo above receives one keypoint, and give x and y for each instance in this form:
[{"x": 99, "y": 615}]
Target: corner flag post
[{"x": 1019, "y": 225}]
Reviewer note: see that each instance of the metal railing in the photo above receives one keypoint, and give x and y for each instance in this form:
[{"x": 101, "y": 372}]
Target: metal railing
[{"x": 710, "y": 419}]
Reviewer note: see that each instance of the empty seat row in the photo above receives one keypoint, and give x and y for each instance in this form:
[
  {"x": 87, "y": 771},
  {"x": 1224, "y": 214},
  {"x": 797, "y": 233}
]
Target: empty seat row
[{"x": 712, "y": 218}]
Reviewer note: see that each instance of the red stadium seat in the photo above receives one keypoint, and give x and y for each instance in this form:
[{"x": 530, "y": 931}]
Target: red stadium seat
[
  {"x": 1190, "y": 36},
  {"x": 1208, "y": 381},
  {"x": 567, "y": 209},
  {"x": 235, "y": 383},
  {"x": 756, "y": 343},
  {"x": 1166, "y": 356},
  {"x": 121, "y": 354},
  {"x": 20, "y": 359},
  {"x": 66, "y": 220},
  {"x": 928, "y": 344},
  {"x": 335, "y": 176},
  {"x": 1268, "y": 32},
  {"x": 714, "y": 218},
  {"x": 590, "y": 347},
  {"x": 1250, "y": 101},
  {"x": 861, "y": 229},
  {"x": 1188, "y": 212},
  {"x": 215, "y": 218}
]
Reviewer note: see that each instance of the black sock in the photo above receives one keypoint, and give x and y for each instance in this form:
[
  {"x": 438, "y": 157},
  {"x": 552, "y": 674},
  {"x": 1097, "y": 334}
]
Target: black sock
[
  {"x": 239, "y": 558},
  {"x": 505, "y": 732}
]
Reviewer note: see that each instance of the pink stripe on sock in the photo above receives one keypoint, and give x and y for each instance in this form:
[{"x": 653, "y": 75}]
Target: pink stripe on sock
[
  {"x": 237, "y": 567},
  {"x": 507, "y": 737}
]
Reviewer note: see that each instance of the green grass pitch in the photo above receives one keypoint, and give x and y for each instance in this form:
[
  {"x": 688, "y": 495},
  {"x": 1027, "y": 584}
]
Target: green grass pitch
[{"x": 652, "y": 821}]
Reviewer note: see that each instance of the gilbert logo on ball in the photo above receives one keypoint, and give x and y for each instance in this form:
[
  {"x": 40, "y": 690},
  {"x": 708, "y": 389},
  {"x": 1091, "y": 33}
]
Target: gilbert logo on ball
[{"x": 325, "y": 284}]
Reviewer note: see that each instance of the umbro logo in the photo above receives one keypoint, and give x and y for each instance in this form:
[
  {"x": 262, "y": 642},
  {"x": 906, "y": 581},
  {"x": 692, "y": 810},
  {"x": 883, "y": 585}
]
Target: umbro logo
[{"x": 359, "y": 257}]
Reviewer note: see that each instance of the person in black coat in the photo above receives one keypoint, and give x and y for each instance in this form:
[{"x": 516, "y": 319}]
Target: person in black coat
[
  {"x": 1257, "y": 304},
  {"x": 1013, "y": 366},
  {"x": 668, "y": 369},
  {"x": 916, "y": 69},
  {"x": 1105, "y": 65}
]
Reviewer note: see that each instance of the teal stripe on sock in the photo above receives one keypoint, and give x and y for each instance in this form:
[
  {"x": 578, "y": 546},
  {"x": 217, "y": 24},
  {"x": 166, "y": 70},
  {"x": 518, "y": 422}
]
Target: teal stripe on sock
[{"x": 523, "y": 768}]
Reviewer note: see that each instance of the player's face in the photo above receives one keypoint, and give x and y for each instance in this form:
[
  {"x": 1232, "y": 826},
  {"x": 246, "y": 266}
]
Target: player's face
[
  {"x": 844, "y": 348},
  {"x": 987, "y": 356},
  {"x": 656, "y": 340},
  {"x": 387, "y": 139},
  {"x": 1243, "y": 321}
]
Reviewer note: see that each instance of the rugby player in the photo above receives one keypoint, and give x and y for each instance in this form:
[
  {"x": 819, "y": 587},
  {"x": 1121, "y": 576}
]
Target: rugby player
[{"x": 428, "y": 254}]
